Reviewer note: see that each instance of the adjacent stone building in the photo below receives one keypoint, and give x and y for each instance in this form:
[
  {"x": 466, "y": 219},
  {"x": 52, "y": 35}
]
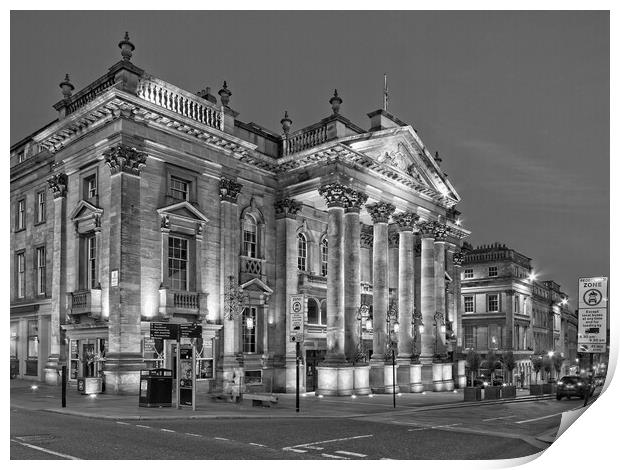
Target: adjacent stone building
[
  {"x": 505, "y": 308},
  {"x": 144, "y": 202}
]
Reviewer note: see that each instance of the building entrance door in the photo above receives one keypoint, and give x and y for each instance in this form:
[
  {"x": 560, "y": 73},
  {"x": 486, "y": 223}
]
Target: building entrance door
[{"x": 313, "y": 359}]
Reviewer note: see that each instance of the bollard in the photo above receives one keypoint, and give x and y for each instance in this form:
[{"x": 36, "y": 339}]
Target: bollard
[{"x": 64, "y": 386}]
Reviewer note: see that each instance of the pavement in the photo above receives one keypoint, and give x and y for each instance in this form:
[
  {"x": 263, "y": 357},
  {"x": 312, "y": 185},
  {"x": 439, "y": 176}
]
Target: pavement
[{"x": 125, "y": 407}]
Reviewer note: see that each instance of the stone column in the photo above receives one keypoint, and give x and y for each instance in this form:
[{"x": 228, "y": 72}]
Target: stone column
[
  {"x": 458, "y": 259},
  {"x": 352, "y": 280},
  {"x": 286, "y": 285},
  {"x": 380, "y": 214},
  {"x": 427, "y": 301},
  {"x": 56, "y": 359},
  {"x": 232, "y": 364},
  {"x": 124, "y": 357},
  {"x": 406, "y": 301},
  {"x": 440, "y": 232}
]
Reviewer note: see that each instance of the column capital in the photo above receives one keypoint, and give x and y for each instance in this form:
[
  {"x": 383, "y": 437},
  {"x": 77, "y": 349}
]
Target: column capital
[
  {"x": 287, "y": 208},
  {"x": 406, "y": 220},
  {"x": 427, "y": 229},
  {"x": 229, "y": 190},
  {"x": 380, "y": 212},
  {"x": 457, "y": 258},
  {"x": 125, "y": 159},
  {"x": 440, "y": 231},
  {"x": 335, "y": 194},
  {"x": 393, "y": 239},
  {"x": 355, "y": 200},
  {"x": 366, "y": 236},
  {"x": 58, "y": 185}
]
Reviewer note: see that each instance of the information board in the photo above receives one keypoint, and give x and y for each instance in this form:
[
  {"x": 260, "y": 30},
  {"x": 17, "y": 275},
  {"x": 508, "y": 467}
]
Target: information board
[{"x": 164, "y": 330}]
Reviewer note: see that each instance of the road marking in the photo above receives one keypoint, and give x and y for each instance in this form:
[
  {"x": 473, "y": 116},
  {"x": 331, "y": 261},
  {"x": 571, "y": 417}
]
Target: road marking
[
  {"x": 333, "y": 440},
  {"x": 143, "y": 426},
  {"x": 538, "y": 419},
  {"x": 221, "y": 438},
  {"x": 259, "y": 445},
  {"x": 353, "y": 454},
  {"x": 299, "y": 451},
  {"x": 334, "y": 456},
  {"x": 120, "y": 422},
  {"x": 500, "y": 417},
  {"x": 47, "y": 451},
  {"x": 191, "y": 434},
  {"x": 313, "y": 447},
  {"x": 445, "y": 425},
  {"x": 167, "y": 430}
]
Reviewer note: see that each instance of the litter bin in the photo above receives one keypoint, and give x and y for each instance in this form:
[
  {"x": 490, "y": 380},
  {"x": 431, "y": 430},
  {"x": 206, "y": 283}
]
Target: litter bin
[{"x": 155, "y": 388}]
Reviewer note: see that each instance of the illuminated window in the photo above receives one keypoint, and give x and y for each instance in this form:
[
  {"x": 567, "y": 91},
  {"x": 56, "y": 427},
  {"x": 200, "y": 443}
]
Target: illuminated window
[
  {"x": 324, "y": 257},
  {"x": 249, "y": 329},
  {"x": 492, "y": 271},
  {"x": 177, "y": 263},
  {"x": 493, "y": 303},
  {"x": 468, "y": 303},
  {"x": 249, "y": 236},
  {"x": 41, "y": 278},
  {"x": 179, "y": 189},
  {"x": 517, "y": 303},
  {"x": 302, "y": 252},
  {"x": 470, "y": 339}
]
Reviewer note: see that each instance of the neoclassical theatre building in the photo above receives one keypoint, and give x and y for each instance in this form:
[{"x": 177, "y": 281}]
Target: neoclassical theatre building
[{"x": 143, "y": 202}]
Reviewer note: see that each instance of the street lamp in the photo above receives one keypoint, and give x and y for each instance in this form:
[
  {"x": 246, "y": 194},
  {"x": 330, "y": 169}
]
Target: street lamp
[
  {"x": 417, "y": 327},
  {"x": 392, "y": 319},
  {"x": 362, "y": 312}
]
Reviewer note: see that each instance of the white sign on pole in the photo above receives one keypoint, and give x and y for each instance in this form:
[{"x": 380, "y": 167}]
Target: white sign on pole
[
  {"x": 297, "y": 312},
  {"x": 592, "y": 326},
  {"x": 593, "y": 292}
]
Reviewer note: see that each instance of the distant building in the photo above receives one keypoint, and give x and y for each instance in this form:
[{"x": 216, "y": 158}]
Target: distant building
[
  {"x": 143, "y": 202},
  {"x": 504, "y": 308}
]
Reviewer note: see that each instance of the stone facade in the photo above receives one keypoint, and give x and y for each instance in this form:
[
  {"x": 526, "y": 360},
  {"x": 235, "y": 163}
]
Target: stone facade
[
  {"x": 162, "y": 206},
  {"x": 505, "y": 308}
]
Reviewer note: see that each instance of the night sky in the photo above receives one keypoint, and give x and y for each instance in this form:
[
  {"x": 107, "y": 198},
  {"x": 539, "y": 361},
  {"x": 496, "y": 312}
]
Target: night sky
[{"x": 517, "y": 103}]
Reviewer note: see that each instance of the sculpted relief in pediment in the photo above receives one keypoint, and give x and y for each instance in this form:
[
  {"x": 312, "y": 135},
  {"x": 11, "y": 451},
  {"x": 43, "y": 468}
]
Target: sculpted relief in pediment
[{"x": 401, "y": 159}]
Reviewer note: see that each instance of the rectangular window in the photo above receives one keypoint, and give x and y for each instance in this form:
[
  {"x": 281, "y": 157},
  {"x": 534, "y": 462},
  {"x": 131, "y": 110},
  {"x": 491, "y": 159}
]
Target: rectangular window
[
  {"x": 470, "y": 339},
  {"x": 492, "y": 271},
  {"x": 249, "y": 330},
  {"x": 21, "y": 156},
  {"x": 40, "y": 208},
  {"x": 20, "y": 216},
  {"x": 91, "y": 261},
  {"x": 90, "y": 186},
  {"x": 493, "y": 303},
  {"x": 177, "y": 263},
  {"x": 179, "y": 189},
  {"x": 468, "y": 273},
  {"x": 41, "y": 277},
  {"x": 21, "y": 275},
  {"x": 249, "y": 238},
  {"x": 33, "y": 339},
  {"x": 468, "y": 303},
  {"x": 517, "y": 303}
]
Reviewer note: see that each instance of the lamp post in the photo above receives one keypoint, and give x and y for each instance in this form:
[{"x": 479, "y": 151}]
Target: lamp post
[
  {"x": 417, "y": 327},
  {"x": 392, "y": 323},
  {"x": 362, "y": 312}
]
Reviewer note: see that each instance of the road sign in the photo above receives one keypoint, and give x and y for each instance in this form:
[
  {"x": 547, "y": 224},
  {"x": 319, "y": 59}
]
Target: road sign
[
  {"x": 164, "y": 330},
  {"x": 593, "y": 292},
  {"x": 297, "y": 308},
  {"x": 191, "y": 330},
  {"x": 592, "y": 327},
  {"x": 297, "y": 337}
]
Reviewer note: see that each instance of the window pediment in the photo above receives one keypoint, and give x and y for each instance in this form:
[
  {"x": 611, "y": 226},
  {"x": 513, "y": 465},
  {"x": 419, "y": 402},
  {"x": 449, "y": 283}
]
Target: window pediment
[
  {"x": 86, "y": 217},
  {"x": 182, "y": 216}
]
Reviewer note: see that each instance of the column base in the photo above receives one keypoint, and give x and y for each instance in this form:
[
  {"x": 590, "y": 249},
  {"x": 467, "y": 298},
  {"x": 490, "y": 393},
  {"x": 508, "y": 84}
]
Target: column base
[
  {"x": 403, "y": 374},
  {"x": 361, "y": 380},
  {"x": 122, "y": 373},
  {"x": 335, "y": 380},
  {"x": 438, "y": 384},
  {"x": 448, "y": 383}
]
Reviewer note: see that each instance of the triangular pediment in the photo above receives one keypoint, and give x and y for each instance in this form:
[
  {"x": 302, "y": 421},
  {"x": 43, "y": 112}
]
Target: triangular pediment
[
  {"x": 183, "y": 210},
  {"x": 401, "y": 150},
  {"x": 84, "y": 210},
  {"x": 256, "y": 285}
]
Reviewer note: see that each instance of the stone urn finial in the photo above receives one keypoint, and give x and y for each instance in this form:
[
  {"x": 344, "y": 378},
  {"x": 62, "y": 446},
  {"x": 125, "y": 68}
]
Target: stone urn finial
[
  {"x": 335, "y": 101},
  {"x": 225, "y": 94},
  {"x": 67, "y": 87},
  {"x": 127, "y": 47},
  {"x": 286, "y": 123}
]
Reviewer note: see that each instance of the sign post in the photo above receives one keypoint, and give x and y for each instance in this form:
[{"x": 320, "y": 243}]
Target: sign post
[
  {"x": 297, "y": 312},
  {"x": 592, "y": 322}
]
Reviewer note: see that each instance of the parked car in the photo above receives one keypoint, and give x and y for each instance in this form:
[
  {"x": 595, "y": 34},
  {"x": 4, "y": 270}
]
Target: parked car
[{"x": 572, "y": 386}]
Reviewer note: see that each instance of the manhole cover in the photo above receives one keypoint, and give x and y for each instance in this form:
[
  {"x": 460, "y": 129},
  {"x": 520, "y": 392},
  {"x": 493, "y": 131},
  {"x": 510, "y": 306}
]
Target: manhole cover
[{"x": 36, "y": 438}]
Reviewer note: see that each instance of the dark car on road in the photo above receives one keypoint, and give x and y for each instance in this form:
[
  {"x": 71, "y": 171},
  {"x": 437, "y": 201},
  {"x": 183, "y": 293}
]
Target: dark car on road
[{"x": 572, "y": 386}]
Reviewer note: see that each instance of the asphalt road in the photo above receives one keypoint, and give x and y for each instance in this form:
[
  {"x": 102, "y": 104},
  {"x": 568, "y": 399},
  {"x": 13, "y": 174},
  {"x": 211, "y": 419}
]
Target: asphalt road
[{"x": 483, "y": 432}]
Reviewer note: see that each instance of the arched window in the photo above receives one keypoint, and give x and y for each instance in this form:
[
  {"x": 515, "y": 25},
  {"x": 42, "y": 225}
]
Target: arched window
[
  {"x": 313, "y": 312},
  {"x": 324, "y": 312},
  {"x": 249, "y": 236},
  {"x": 302, "y": 252},
  {"x": 324, "y": 257}
]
